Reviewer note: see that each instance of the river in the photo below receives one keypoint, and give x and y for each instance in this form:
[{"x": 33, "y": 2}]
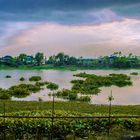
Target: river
[{"x": 128, "y": 95}]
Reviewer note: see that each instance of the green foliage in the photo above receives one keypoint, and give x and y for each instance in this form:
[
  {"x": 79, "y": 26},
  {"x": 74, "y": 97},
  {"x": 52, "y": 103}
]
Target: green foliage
[
  {"x": 39, "y": 57},
  {"x": 22, "y": 79},
  {"x": 64, "y": 61},
  {"x": 52, "y": 86},
  {"x": 35, "y": 78},
  {"x": 84, "y": 99},
  {"x": 7, "y": 76},
  {"x": 67, "y": 94},
  {"x": 134, "y": 73},
  {"x": 91, "y": 83},
  {"x": 81, "y": 128},
  {"x": 4, "y": 94},
  {"x": 23, "y": 90}
]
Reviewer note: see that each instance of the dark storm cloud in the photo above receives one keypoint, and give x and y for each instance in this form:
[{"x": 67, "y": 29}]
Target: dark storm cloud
[{"x": 64, "y": 11}]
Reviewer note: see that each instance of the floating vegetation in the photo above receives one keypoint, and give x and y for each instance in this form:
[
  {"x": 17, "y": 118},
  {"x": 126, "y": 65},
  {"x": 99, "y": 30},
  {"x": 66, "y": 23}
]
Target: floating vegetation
[
  {"x": 134, "y": 73},
  {"x": 35, "y": 78},
  {"x": 24, "y": 90},
  {"x": 7, "y": 76},
  {"x": 52, "y": 86},
  {"x": 22, "y": 79},
  {"x": 42, "y": 83},
  {"x": 91, "y": 84}
]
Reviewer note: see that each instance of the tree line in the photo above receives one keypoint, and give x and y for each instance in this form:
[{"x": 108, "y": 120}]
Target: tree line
[{"x": 115, "y": 60}]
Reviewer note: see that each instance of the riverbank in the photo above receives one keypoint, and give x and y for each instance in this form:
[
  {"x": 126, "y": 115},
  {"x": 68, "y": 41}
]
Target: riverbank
[
  {"x": 16, "y": 106},
  {"x": 64, "y": 68}
]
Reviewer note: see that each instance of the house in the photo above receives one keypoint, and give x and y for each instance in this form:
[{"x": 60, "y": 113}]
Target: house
[
  {"x": 29, "y": 59},
  {"x": 7, "y": 58}
]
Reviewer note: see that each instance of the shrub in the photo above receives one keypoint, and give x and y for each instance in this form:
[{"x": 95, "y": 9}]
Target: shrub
[
  {"x": 84, "y": 99},
  {"x": 62, "y": 127},
  {"x": 4, "y": 95}
]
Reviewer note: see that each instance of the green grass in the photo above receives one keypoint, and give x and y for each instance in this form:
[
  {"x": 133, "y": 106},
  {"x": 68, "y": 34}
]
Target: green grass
[
  {"x": 51, "y": 67},
  {"x": 15, "y": 106}
]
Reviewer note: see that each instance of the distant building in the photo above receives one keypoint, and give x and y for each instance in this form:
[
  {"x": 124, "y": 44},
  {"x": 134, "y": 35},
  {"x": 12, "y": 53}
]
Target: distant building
[
  {"x": 7, "y": 57},
  {"x": 29, "y": 59}
]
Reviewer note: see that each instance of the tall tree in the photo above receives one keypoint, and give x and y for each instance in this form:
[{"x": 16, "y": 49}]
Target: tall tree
[{"x": 39, "y": 57}]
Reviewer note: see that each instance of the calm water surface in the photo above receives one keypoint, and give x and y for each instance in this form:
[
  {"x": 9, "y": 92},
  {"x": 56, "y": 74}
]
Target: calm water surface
[{"x": 122, "y": 96}]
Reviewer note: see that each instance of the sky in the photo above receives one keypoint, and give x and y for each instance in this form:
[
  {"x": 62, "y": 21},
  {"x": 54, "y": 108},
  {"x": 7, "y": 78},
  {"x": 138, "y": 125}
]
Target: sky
[{"x": 89, "y": 28}]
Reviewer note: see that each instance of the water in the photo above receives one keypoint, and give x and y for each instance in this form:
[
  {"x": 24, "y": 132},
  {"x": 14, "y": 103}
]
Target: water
[{"x": 122, "y": 96}]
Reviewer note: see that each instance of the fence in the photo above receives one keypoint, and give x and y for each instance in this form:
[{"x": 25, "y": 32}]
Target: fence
[{"x": 52, "y": 118}]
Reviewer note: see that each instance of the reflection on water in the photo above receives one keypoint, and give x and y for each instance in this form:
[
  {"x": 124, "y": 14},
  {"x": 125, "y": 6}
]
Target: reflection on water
[{"x": 122, "y": 96}]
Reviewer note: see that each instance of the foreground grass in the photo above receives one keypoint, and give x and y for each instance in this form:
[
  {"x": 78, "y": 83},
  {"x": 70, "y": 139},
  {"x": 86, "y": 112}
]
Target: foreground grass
[
  {"x": 15, "y": 106},
  {"x": 117, "y": 132}
]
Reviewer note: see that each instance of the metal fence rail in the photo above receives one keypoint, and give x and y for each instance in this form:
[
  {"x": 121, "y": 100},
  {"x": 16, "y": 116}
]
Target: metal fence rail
[{"x": 71, "y": 117}]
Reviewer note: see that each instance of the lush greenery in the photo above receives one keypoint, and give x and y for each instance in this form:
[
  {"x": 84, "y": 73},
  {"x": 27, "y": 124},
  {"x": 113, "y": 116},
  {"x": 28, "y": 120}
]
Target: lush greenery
[
  {"x": 7, "y": 76},
  {"x": 52, "y": 86},
  {"x": 63, "y": 127},
  {"x": 16, "y": 106},
  {"x": 35, "y": 78},
  {"x": 23, "y": 90},
  {"x": 134, "y": 73},
  {"x": 91, "y": 84},
  {"x": 22, "y": 79},
  {"x": 67, "y": 128},
  {"x": 62, "y": 61}
]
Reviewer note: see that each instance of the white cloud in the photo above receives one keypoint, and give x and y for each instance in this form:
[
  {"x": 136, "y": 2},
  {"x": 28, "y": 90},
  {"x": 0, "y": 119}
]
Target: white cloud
[{"x": 93, "y": 40}]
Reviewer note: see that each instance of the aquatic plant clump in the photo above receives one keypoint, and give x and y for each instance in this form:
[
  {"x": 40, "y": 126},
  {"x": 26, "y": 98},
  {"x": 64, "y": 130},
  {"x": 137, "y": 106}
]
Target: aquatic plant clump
[
  {"x": 52, "y": 86},
  {"x": 92, "y": 83},
  {"x": 8, "y": 76},
  {"x": 23, "y": 90},
  {"x": 134, "y": 73},
  {"x": 22, "y": 79},
  {"x": 35, "y": 78}
]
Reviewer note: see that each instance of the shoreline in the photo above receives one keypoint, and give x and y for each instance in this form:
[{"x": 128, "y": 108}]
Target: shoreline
[{"x": 63, "y": 68}]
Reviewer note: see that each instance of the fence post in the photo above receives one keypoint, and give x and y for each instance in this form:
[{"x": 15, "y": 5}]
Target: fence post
[
  {"x": 4, "y": 120},
  {"x": 110, "y": 98},
  {"x": 52, "y": 117}
]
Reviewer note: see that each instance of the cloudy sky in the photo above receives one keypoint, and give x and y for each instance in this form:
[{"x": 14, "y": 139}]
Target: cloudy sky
[{"x": 77, "y": 27}]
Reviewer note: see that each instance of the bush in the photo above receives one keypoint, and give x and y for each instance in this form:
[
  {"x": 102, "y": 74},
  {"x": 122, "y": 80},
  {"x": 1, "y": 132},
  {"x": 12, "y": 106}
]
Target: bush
[
  {"x": 84, "y": 99},
  {"x": 4, "y": 95},
  {"x": 35, "y": 78},
  {"x": 62, "y": 127}
]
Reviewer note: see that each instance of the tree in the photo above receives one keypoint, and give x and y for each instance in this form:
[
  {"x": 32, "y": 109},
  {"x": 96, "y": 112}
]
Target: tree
[
  {"x": 39, "y": 57},
  {"x": 21, "y": 58}
]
